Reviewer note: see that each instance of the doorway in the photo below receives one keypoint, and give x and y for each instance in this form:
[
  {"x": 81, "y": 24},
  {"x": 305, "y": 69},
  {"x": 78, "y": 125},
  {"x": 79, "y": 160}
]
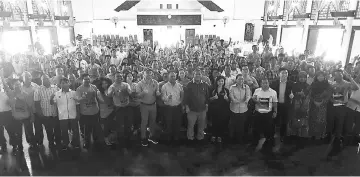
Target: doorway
[
  {"x": 269, "y": 30},
  {"x": 148, "y": 36}
]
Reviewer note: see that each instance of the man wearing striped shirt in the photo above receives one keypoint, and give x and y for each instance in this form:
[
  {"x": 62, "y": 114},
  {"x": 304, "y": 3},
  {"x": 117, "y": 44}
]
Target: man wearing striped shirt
[{"x": 46, "y": 113}]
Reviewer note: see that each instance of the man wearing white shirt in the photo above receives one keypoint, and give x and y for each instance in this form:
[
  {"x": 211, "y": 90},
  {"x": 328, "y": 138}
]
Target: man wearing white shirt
[
  {"x": 172, "y": 95},
  {"x": 80, "y": 62},
  {"x": 115, "y": 60},
  {"x": 68, "y": 110},
  {"x": 265, "y": 100},
  {"x": 122, "y": 55},
  {"x": 230, "y": 79}
]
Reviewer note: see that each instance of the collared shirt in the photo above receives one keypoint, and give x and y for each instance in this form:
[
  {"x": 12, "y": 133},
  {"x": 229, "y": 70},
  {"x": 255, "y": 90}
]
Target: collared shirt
[
  {"x": 43, "y": 95},
  {"x": 111, "y": 77},
  {"x": 81, "y": 64},
  {"x": 88, "y": 103},
  {"x": 196, "y": 96},
  {"x": 149, "y": 89},
  {"x": 354, "y": 100},
  {"x": 240, "y": 96},
  {"x": 282, "y": 89},
  {"x": 121, "y": 94},
  {"x": 175, "y": 92},
  {"x": 66, "y": 104},
  {"x": 266, "y": 99},
  {"x": 340, "y": 92}
]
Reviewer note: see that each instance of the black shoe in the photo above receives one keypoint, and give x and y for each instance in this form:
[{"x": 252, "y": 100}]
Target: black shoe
[
  {"x": 86, "y": 146},
  {"x": 144, "y": 143},
  {"x": 64, "y": 147}
]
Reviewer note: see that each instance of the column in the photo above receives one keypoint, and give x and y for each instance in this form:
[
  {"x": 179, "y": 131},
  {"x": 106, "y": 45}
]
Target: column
[
  {"x": 280, "y": 22},
  {"x": 307, "y": 24},
  {"x": 31, "y": 22},
  {"x": 347, "y": 34}
]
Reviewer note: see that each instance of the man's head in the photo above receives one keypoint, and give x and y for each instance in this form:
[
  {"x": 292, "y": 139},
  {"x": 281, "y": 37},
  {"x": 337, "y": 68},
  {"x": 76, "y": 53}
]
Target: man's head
[
  {"x": 118, "y": 77},
  {"x": 172, "y": 77},
  {"x": 264, "y": 83},
  {"x": 283, "y": 73},
  {"x": 27, "y": 77},
  {"x": 338, "y": 74},
  {"x": 64, "y": 83},
  {"x": 59, "y": 71},
  {"x": 239, "y": 79},
  {"x": 112, "y": 68},
  {"x": 86, "y": 79},
  {"x": 197, "y": 75},
  {"x": 148, "y": 74},
  {"x": 71, "y": 78},
  {"x": 227, "y": 70},
  {"x": 165, "y": 76},
  {"x": 254, "y": 48},
  {"x": 245, "y": 69},
  {"x": 45, "y": 80},
  {"x": 311, "y": 70}
]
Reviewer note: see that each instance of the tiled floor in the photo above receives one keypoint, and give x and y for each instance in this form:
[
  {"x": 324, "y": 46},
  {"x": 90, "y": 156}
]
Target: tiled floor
[{"x": 160, "y": 159}]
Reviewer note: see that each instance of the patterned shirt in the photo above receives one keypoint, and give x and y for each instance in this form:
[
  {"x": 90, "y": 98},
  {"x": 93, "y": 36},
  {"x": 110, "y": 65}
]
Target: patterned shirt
[{"x": 43, "y": 95}]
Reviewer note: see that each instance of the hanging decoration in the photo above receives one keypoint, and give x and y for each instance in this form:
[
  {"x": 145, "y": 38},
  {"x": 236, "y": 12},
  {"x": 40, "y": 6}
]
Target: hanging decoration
[
  {"x": 319, "y": 6},
  {"x": 249, "y": 32},
  {"x": 225, "y": 20}
]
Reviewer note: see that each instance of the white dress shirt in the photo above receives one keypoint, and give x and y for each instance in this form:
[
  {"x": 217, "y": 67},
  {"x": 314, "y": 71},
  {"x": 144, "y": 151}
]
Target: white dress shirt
[
  {"x": 66, "y": 104},
  {"x": 175, "y": 92}
]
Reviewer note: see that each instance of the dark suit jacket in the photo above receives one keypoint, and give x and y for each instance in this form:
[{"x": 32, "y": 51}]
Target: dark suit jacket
[{"x": 275, "y": 85}]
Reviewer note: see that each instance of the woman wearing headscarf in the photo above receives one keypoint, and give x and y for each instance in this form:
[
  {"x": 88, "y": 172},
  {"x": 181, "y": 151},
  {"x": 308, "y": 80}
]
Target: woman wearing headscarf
[
  {"x": 320, "y": 93},
  {"x": 298, "y": 124}
]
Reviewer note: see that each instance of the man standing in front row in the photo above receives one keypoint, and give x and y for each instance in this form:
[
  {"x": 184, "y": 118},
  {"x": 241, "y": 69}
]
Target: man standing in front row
[
  {"x": 172, "y": 95},
  {"x": 196, "y": 99},
  {"x": 69, "y": 113}
]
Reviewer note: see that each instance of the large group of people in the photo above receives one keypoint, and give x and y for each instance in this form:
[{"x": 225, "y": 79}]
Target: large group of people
[{"x": 112, "y": 93}]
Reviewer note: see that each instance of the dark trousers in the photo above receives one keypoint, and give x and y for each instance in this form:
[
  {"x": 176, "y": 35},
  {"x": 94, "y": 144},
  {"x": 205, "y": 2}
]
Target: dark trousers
[
  {"x": 338, "y": 122},
  {"x": 6, "y": 122},
  {"x": 106, "y": 123},
  {"x": 282, "y": 118},
  {"x": 52, "y": 128},
  {"x": 69, "y": 125},
  {"x": 355, "y": 116},
  {"x": 173, "y": 115},
  {"x": 263, "y": 125},
  {"x": 136, "y": 116},
  {"x": 29, "y": 131},
  {"x": 220, "y": 121},
  {"x": 92, "y": 127},
  {"x": 237, "y": 125},
  {"x": 124, "y": 120}
]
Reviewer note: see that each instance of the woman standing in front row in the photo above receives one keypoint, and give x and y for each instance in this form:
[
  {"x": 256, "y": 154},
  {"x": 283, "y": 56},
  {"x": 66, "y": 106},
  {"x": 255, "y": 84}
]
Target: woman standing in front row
[{"x": 219, "y": 109}]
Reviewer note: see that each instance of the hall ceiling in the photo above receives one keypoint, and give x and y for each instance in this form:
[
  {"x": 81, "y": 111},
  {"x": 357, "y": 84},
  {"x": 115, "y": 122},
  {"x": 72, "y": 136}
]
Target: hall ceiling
[{"x": 128, "y": 4}]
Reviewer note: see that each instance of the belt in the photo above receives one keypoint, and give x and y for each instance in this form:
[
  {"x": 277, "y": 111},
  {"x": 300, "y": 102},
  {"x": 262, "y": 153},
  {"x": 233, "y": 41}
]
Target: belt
[{"x": 148, "y": 103}]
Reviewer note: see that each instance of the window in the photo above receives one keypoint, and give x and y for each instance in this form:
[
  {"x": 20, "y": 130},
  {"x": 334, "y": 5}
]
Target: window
[
  {"x": 294, "y": 7},
  {"x": 169, "y": 6},
  {"x": 177, "y": 6},
  {"x": 325, "y": 7},
  {"x": 161, "y": 6}
]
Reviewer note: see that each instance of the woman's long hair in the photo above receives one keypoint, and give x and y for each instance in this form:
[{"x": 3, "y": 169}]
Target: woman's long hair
[
  {"x": 317, "y": 87},
  {"x": 109, "y": 82},
  {"x": 216, "y": 85}
]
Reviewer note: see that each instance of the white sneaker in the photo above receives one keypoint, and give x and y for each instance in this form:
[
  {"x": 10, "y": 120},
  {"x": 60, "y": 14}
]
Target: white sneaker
[{"x": 260, "y": 144}]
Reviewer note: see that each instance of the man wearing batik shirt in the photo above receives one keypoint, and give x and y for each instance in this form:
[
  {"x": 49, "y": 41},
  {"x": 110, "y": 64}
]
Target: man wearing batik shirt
[
  {"x": 120, "y": 93},
  {"x": 46, "y": 113},
  {"x": 89, "y": 110}
]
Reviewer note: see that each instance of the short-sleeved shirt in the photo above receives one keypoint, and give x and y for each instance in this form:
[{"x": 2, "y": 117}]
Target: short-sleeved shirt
[
  {"x": 266, "y": 99},
  {"x": 150, "y": 89},
  {"x": 66, "y": 104},
  {"x": 121, "y": 94},
  {"x": 340, "y": 92},
  {"x": 89, "y": 104},
  {"x": 43, "y": 95}
]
